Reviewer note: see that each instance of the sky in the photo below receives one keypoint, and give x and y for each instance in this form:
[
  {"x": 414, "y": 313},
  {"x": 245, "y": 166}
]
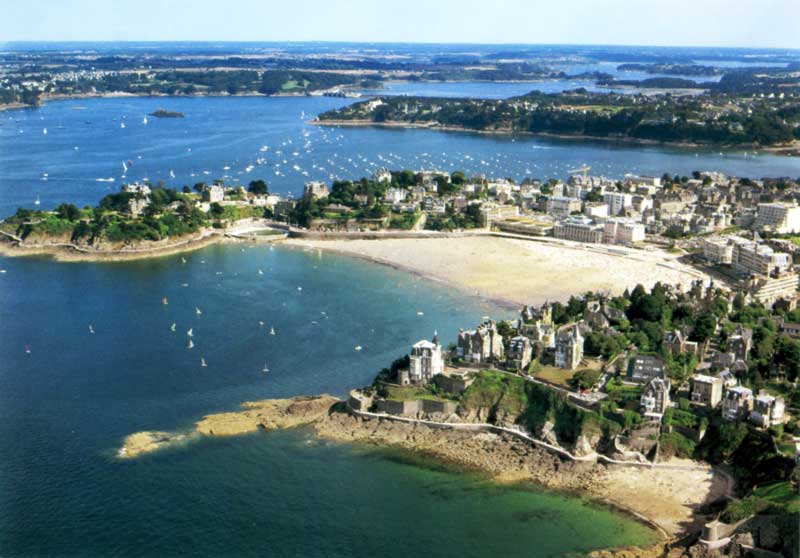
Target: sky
[{"x": 720, "y": 23}]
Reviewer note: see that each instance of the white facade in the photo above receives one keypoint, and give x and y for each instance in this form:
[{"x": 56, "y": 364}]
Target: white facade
[
  {"x": 425, "y": 360},
  {"x": 617, "y": 202},
  {"x": 781, "y": 218}
]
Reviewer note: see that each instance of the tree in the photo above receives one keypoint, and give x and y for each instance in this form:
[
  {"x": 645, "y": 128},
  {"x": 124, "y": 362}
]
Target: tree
[
  {"x": 258, "y": 187},
  {"x": 217, "y": 210},
  {"x": 704, "y": 328},
  {"x": 68, "y": 211}
]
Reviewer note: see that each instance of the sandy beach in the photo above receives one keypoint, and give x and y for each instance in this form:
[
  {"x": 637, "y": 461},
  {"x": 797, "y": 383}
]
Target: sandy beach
[{"x": 516, "y": 271}]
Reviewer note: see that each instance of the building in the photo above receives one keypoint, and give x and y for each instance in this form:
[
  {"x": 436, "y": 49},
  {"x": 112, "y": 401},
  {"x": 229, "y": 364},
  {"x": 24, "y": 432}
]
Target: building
[
  {"x": 740, "y": 341},
  {"x": 778, "y": 217},
  {"x": 569, "y": 347},
  {"x": 676, "y": 343},
  {"x": 579, "y": 228},
  {"x": 395, "y": 195},
  {"x": 655, "y": 398},
  {"x": 620, "y": 231},
  {"x": 315, "y": 189},
  {"x": 213, "y": 194},
  {"x": 617, "y": 202},
  {"x": 595, "y": 210},
  {"x": 491, "y": 212},
  {"x": 706, "y": 390},
  {"x": 136, "y": 188},
  {"x": 382, "y": 175},
  {"x": 482, "y": 344},
  {"x": 520, "y": 352},
  {"x": 769, "y": 289},
  {"x": 425, "y": 360},
  {"x": 759, "y": 258},
  {"x": 637, "y": 180},
  {"x": 767, "y": 410},
  {"x": 562, "y": 207},
  {"x": 737, "y": 403},
  {"x": 643, "y": 368}
]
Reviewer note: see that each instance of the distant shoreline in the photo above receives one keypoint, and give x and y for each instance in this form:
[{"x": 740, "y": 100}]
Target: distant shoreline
[{"x": 787, "y": 150}]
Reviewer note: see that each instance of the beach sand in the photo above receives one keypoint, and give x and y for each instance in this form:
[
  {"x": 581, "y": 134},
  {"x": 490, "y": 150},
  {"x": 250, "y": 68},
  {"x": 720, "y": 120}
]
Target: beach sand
[{"x": 518, "y": 271}]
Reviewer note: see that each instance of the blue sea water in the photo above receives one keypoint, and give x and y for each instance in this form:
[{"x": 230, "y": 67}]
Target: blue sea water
[
  {"x": 66, "y": 406},
  {"x": 85, "y": 146}
]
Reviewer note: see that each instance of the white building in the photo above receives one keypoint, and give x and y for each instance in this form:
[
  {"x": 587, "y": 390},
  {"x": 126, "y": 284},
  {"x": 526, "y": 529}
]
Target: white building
[
  {"x": 737, "y": 403},
  {"x": 569, "y": 347},
  {"x": 621, "y": 231},
  {"x": 561, "y": 207},
  {"x": 214, "y": 194},
  {"x": 617, "y": 202},
  {"x": 655, "y": 398},
  {"x": 425, "y": 360},
  {"x": 778, "y": 217},
  {"x": 395, "y": 195},
  {"x": 767, "y": 410}
]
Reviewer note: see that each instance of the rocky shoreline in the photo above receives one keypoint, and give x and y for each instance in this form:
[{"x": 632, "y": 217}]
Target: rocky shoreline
[{"x": 669, "y": 505}]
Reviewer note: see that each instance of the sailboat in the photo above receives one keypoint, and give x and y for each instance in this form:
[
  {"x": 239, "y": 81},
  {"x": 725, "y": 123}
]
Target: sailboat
[
  {"x": 38, "y": 201},
  {"x": 183, "y": 260},
  {"x": 121, "y": 124},
  {"x": 197, "y": 311},
  {"x": 265, "y": 369},
  {"x": 260, "y": 272},
  {"x": 124, "y": 167},
  {"x": 190, "y": 345},
  {"x": 144, "y": 121},
  {"x": 164, "y": 301},
  {"x": 44, "y": 131},
  {"x": 172, "y": 173},
  {"x": 91, "y": 329},
  {"x": 272, "y": 331},
  {"x": 203, "y": 362},
  {"x": 189, "y": 333},
  {"x": 172, "y": 327},
  {"x": 27, "y": 349}
]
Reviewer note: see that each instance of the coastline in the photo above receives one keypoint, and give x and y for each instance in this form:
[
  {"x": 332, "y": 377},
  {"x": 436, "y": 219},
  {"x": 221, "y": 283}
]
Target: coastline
[
  {"x": 668, "y": 505},
  {"x": 67, "y": 252},
  {"x": 533, "y": 272},
  {"x": 788, "y": 150}
]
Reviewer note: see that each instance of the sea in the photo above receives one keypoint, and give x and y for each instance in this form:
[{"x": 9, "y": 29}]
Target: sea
[{"x": 89, "y": 355}]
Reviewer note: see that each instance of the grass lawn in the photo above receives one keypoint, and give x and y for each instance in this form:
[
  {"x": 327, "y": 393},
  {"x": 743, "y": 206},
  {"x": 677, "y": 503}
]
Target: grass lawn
[
  {"x": 780, "y": 493},
  {"x": 558, "y": 376},
  {"x": 407, "y": 393}
]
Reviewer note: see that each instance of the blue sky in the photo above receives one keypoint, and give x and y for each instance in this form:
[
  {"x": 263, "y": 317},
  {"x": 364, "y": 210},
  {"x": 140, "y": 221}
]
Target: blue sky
[{"x": 743, "y": 23}]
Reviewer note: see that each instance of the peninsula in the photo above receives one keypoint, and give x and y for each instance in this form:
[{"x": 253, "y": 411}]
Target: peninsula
[{"x": 674, "y": 405}]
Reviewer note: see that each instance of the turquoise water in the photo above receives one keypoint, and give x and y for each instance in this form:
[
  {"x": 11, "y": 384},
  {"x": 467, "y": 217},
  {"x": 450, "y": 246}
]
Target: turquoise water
[
  {"x": 66, "y": 406},
  {"x": 85, "y": 146}
]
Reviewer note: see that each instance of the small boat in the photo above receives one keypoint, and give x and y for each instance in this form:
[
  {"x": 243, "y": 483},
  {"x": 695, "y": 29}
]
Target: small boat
[
  {"x": 172, "y": 174},
  {"x": 420, "y": 313},
  {"x": 121, "y": 124},
  {"x": 183, "y": 260},
  {"x": 203, "y": 362},
  {"x": 172, "y": 327},
  {"x": 190, "y": 333},
  {"x": 358, "y": 347},
  {"x": 144, "y": 121},
  {"x": 197, "y": 311},
  {"x": 190, "y": 345},
  {"x": 260, "y": 272},
  {"x": 44, "y": 131},
  {"x": 272, "y": 331},
  {"x": 91, "y": 329},
  {"x": 164, "y": 301},
  {"x": 37, "y": 201},
  {"x": 27, "y": 349},
  {"x": 260, "y": 323},
  {"x": 265, "y": 369},
  {"x": 299, "y": 288},
  {"x": 124, "y": 167}
]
